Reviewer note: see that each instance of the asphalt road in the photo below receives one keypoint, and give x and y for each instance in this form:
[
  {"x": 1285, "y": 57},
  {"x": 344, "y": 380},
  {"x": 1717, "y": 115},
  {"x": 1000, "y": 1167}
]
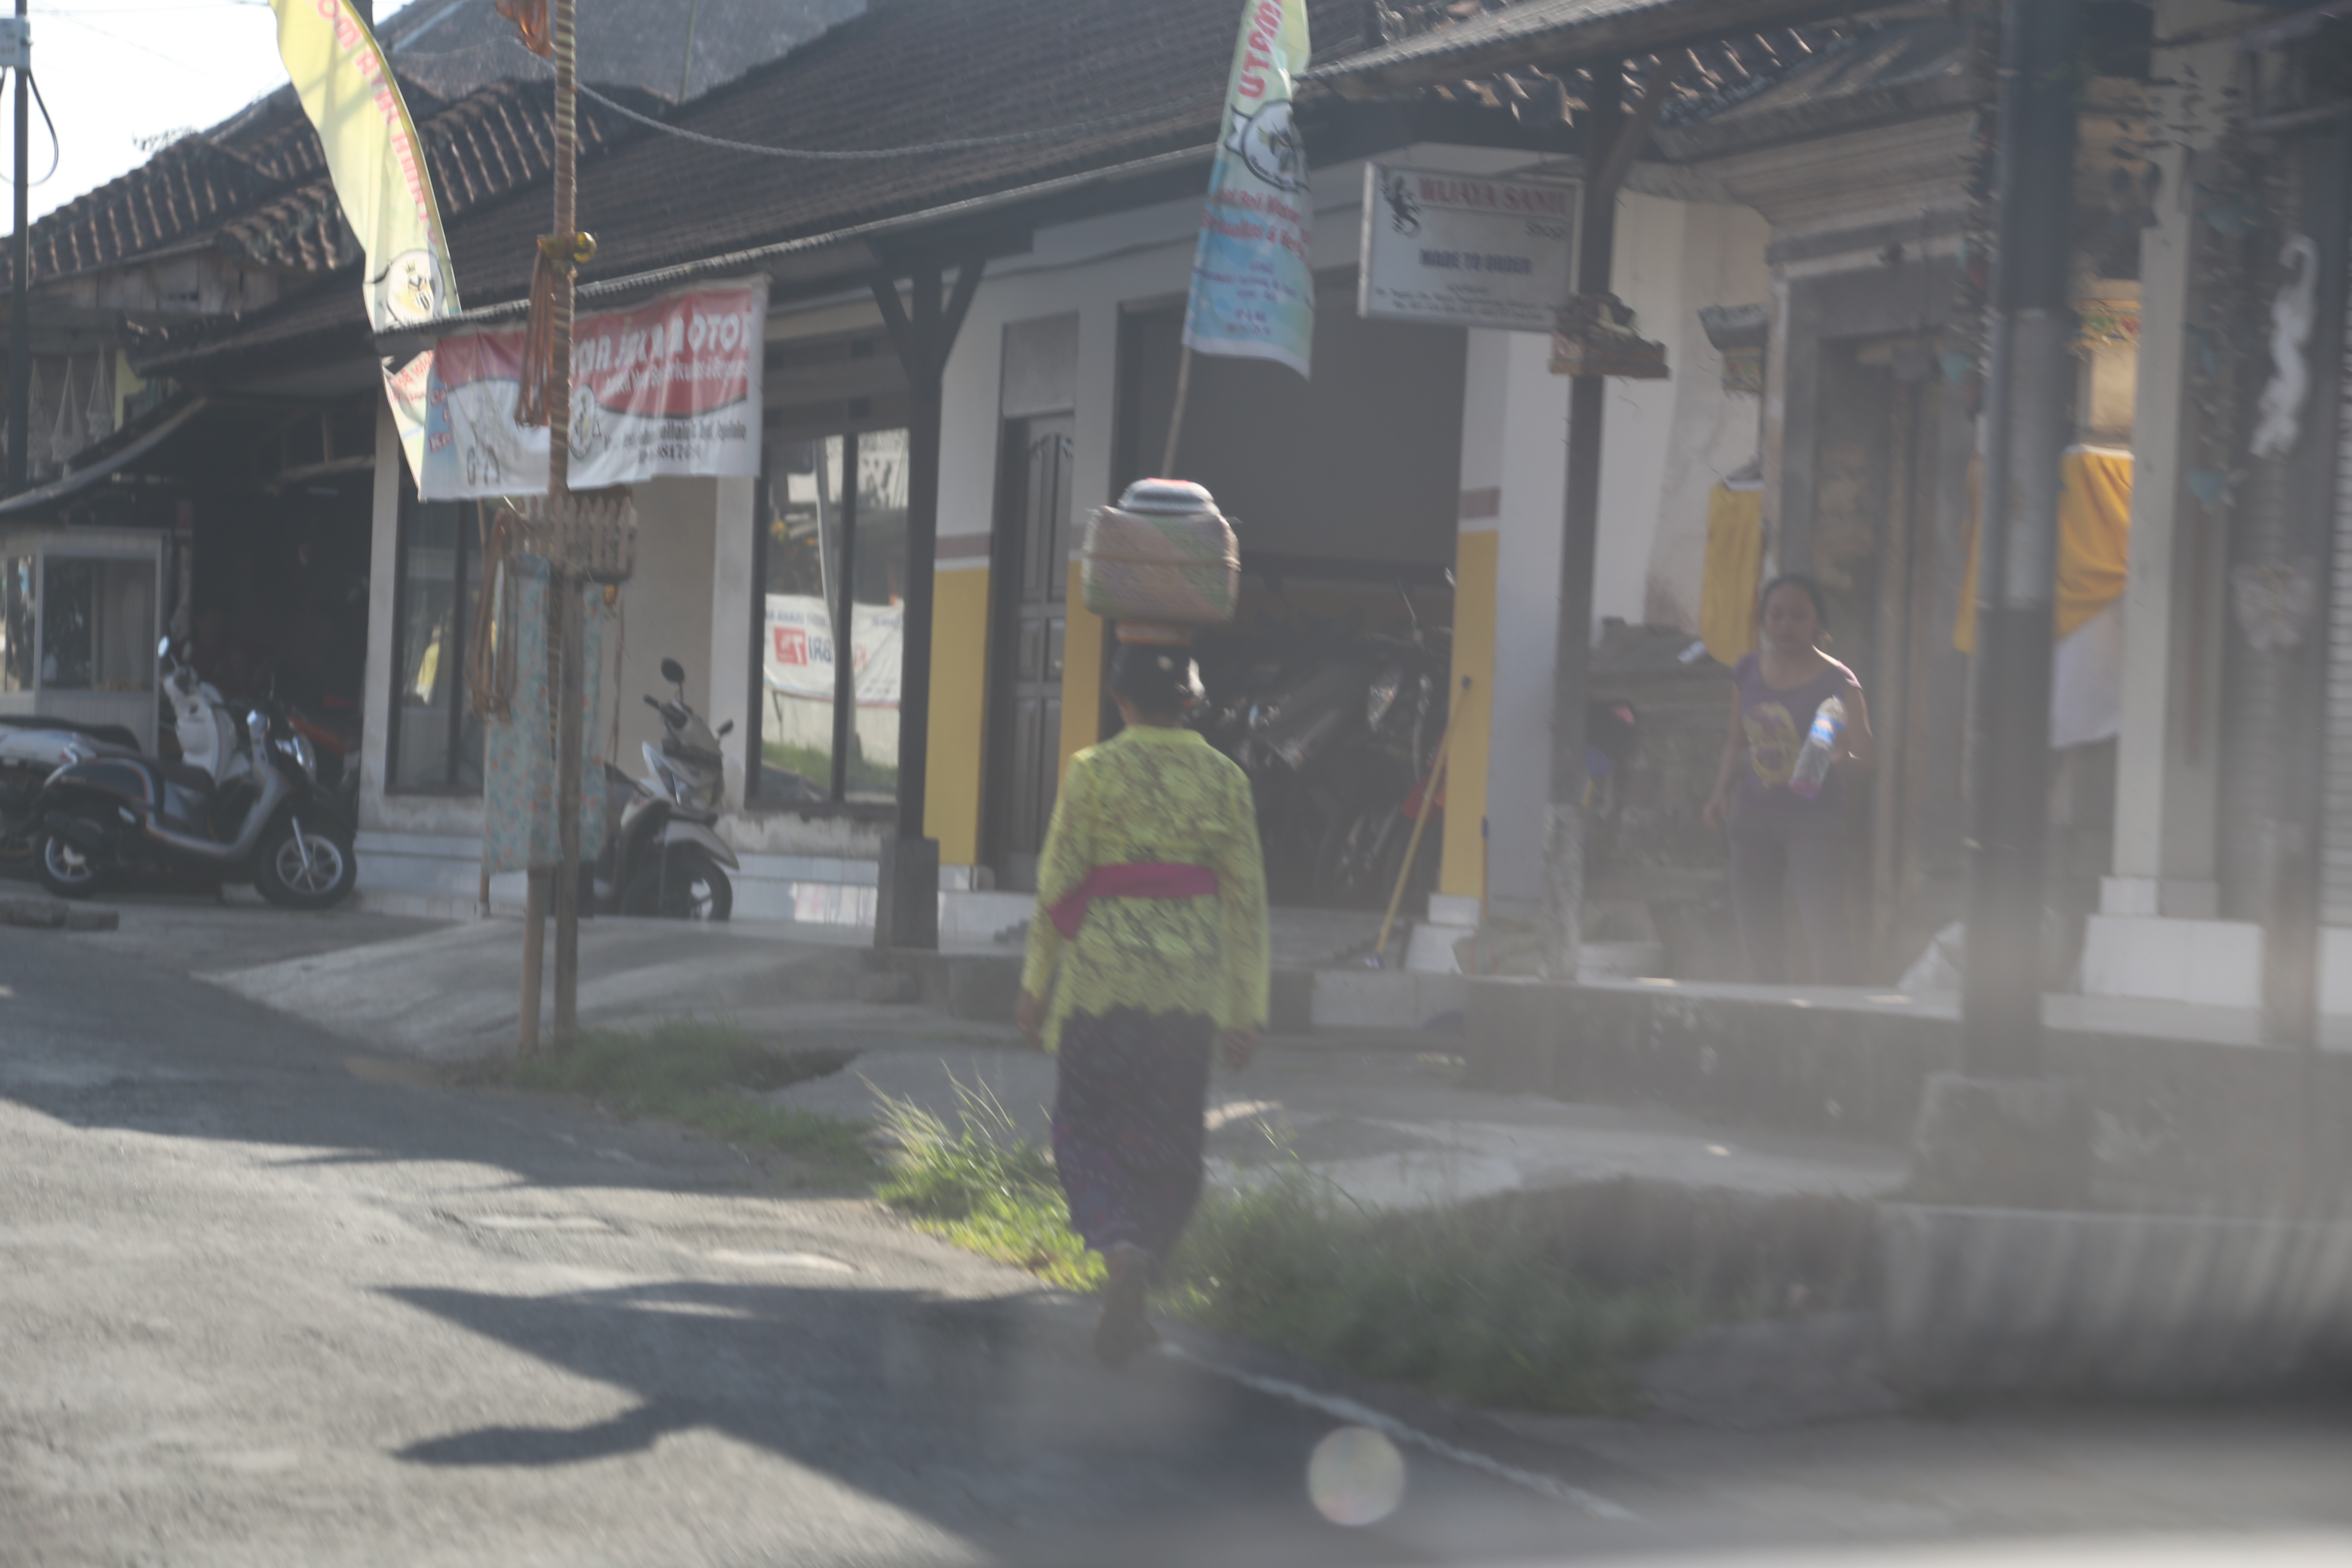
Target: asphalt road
[{"x": 265, "y": 1302}]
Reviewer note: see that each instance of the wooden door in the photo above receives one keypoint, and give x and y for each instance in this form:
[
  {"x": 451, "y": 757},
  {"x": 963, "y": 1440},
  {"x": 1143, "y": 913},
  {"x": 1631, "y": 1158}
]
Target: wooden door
[{"x": 1034, "y": 536}]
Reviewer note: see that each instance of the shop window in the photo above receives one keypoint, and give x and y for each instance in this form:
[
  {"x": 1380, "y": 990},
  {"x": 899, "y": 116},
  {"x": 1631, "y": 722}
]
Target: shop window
[
  {"x": 436, "y": 739},
  {"x": 98, "y": 633},
  {"x": 829, "y": 551},
  {"x": 16, "y": 606}
]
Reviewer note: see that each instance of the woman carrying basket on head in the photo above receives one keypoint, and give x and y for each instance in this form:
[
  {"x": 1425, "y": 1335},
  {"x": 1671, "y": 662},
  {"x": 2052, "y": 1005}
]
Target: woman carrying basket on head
[{"x": 1150, "y": 941}]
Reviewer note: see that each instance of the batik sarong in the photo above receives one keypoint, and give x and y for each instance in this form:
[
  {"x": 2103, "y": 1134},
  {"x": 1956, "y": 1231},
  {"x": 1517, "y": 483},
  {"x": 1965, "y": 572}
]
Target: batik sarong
[{"x": 1129, "y": 1128}]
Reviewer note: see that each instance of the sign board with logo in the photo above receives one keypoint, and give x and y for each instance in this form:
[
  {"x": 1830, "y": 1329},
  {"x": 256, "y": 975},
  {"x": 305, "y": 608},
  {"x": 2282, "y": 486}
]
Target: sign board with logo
[
  {"x": 671, "y": 386},
  {"x": 1464, "y": 250},
  {"x": 797, "y": 659}
]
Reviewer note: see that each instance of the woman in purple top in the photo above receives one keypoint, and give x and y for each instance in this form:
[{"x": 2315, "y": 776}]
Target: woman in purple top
[{"x": 1780, "y": 840}]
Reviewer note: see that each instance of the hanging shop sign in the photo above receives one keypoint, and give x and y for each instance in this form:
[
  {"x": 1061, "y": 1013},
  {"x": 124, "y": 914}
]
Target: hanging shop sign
[
  {"x": 797, "y": 659},
  {"x": 1462, "y": 250},
  {"x": 669, "y": 387}
]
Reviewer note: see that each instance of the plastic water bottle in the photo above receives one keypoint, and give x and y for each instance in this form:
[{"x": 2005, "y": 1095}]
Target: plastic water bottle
[{"x": 1821, "y": 749}]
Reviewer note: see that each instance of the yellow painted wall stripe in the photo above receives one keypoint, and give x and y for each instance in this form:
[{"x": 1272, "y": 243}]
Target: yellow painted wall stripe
[
  {"x": 1082, "y": 675},
  {"x": 959, "y": 713},
  {"x": 1476, "y": 557}
]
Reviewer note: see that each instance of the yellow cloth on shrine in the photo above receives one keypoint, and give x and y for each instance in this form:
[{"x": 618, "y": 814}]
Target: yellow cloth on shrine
[
  {"x": 2094, "y": 541},
  {"x": 1735, "y": 569}
]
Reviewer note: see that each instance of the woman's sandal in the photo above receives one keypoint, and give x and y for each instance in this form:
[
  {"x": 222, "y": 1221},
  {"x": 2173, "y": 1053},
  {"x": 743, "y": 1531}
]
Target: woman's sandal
[{"x": 1123, "y": 1330}]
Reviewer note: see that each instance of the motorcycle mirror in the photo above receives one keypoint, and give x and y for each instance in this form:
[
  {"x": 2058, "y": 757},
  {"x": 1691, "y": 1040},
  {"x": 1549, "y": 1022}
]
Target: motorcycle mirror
[
  {"x": 728, "y": 728},
  {"x": 673, "y": 672}
]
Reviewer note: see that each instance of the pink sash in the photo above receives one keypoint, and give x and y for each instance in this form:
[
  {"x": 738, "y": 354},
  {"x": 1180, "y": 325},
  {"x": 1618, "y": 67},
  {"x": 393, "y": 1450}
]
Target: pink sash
[{"x": 1148, "y": 879}]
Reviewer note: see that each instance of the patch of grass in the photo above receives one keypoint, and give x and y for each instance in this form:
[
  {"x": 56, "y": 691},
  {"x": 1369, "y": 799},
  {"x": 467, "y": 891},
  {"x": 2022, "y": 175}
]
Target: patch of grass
[
  {"x": 704, "y": 1073},
  {"x": 985, "y": 1188},
  {"x": 1466, "y": 1306},
  {"x": 1470, "y": 1305}
]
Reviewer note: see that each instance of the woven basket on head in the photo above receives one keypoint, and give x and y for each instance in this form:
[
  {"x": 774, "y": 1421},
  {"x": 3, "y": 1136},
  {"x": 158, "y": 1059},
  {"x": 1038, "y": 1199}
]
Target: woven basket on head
[{"x": 590, "y": 535}]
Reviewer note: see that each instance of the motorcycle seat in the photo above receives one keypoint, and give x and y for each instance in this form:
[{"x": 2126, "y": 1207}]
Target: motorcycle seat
[{"x": 188, "y": 776}]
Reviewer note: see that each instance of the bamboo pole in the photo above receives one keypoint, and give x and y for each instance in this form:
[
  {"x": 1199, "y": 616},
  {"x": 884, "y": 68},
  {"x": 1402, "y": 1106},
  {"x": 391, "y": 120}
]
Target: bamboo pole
[{"x": 1176, "y": 419}]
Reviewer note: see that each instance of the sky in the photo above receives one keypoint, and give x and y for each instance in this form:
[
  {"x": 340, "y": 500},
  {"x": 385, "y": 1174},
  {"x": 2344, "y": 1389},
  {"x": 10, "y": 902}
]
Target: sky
[{"x": 119, "y": 74}]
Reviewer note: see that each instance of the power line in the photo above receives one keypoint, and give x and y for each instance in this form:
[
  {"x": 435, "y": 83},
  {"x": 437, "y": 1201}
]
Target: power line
[
  {"x": 867, "y": 154},
  {"x": 962, "y": 144},
  {"x": 57, "y": 149}
]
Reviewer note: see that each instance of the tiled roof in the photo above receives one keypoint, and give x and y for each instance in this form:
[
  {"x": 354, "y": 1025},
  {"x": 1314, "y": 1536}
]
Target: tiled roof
[
  {"x": 498, "y": 140},
  {"x": 181, "y": 194},
  {"x": 254, "y": 183},
  {"x": 260, "y": 192},
  {"x": 1476, "y": 38},
  {"x": 904, "y": 72},
  {"x": 454, "y": 47}
]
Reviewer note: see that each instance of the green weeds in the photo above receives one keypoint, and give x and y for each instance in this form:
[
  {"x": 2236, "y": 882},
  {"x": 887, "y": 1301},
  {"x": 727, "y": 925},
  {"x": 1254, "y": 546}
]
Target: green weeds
[
  {"x": 1452, "y": 1302},
  {"x": 985, "y": 1188},
  {"x": 1472, "y": 1306}
]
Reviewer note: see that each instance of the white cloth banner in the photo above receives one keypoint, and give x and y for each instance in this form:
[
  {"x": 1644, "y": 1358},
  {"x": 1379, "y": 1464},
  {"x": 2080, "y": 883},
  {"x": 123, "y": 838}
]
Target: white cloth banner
[
  {"x": 797, "y": 658},
  {"x": 671, "y": 386},
  {"x": 2086, "y": 681}
]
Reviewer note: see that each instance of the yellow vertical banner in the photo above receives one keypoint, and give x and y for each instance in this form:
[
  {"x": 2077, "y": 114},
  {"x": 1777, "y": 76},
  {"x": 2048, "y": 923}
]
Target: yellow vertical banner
[
  {"x": 381, "y": 180},
  {"x": 374, "y": 157}
]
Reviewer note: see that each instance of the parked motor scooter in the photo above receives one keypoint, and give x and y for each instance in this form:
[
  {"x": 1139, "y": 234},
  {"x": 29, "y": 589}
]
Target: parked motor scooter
[
  {"x": 33, "y": 748},
  {"x": 664, "y": 853},
  {"x": 106, "y": 819}
]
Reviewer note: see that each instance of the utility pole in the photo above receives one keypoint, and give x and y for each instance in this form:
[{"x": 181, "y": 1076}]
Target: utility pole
[
  {"x": 1612, "y": 140},
  {"x": 20, "y": 249},
  {"x": 1588, "y": 395},
  {"x": 562, "y": 584},
  {"x": 1999, "y": 1131}
]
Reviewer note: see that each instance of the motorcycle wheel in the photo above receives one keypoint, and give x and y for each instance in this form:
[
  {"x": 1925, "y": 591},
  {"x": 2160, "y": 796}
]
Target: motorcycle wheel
[
  {"x": 685, "y": 885},
  {"x": 65, "y": 868},
  {"x": 291, "y": 879}
]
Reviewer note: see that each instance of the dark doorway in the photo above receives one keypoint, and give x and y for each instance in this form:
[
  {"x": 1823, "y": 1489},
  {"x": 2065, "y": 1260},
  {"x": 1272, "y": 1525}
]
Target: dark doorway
[{"x": 1033, "y": 552}]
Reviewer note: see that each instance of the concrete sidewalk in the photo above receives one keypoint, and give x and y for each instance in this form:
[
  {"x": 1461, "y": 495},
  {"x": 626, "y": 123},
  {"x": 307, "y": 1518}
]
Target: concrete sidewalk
[
  {"x": 1383, "y": 1116},
  {"x": 1390, "y": 1126}
]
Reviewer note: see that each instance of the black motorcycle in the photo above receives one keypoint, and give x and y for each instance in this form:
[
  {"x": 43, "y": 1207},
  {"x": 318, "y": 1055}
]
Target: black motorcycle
[
  {"x": 1338, "y": 735},
  {"x": 105, "y": 819}
]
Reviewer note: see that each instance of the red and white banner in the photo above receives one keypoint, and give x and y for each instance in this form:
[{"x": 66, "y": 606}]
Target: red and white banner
[{"x": 671, "y": 386}]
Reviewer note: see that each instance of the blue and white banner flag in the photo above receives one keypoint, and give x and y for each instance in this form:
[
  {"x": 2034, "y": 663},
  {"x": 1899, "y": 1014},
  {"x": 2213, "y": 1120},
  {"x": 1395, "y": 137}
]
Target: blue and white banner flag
[{"x": 1253, "y": 272}]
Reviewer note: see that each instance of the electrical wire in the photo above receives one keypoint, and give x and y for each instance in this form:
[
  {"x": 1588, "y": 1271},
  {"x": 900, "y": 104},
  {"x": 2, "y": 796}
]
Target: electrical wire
[
  {"x": 56, "y": 149},
  {"x": 859, "y": 154},
  {"x": 867, "y": 154}
]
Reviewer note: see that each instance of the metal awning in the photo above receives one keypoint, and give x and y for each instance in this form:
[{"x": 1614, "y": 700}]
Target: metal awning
[
  {"x": 1553, "y": 32},
  {"x": 136, "y": 445}
]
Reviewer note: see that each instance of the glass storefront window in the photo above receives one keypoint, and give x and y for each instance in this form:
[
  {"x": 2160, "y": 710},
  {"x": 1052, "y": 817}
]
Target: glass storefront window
[
  {"x": 830, "y": 549},
  {"x": 98, "y": 631},
  {"x": 798, "y": 553},
  {"x": 436, "y": 741},
  {"x": 17, "y": 602}
]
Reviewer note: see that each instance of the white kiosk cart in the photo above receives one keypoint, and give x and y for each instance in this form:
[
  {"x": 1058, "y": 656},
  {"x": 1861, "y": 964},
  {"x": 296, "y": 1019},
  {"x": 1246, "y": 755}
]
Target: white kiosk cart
[{"x": 80, "y": 620}]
